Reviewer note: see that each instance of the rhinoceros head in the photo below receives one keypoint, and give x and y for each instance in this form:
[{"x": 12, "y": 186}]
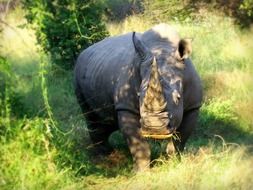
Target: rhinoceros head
[{"x": 161, "y": 90}]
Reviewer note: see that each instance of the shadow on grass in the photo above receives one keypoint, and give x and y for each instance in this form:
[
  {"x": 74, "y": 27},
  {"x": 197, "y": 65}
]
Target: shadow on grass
[
  {"x": 210, "y": 130},
  {"x": 215, "y": 131}
]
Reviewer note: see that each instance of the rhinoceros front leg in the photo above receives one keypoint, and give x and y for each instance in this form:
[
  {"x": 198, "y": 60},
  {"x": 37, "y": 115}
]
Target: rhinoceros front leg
[
  {"x": 170, "y": 148},
  {"x": 139, "y": 148},
  {"x": 186, "y": 128}
]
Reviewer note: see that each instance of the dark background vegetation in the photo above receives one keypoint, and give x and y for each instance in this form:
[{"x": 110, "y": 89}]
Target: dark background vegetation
[{"x": 64, "y": 28}]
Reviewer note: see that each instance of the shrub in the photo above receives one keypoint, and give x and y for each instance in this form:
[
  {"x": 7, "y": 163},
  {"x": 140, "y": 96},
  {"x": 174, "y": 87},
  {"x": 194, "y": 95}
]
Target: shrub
[
  {"x": 188, "y": 10},
  {"x": 10, "y": 104},
  {"x": 163, "y": 10},
  {"x": 4, "y": 96},
  {"x": 65, "y": 27},
  {"x": 245, "y": 12},
  {"x": 117, "y": 10}
]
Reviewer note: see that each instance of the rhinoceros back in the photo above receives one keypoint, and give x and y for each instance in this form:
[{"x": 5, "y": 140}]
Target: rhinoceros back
[{"x": 99, "y": 69}]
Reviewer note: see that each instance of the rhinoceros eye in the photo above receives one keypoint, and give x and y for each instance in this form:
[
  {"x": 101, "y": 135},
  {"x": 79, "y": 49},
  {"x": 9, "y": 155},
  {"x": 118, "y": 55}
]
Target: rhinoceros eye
[{"x": 180, "y": 64}]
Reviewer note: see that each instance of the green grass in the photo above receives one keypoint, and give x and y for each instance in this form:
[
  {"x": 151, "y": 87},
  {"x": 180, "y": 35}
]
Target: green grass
[
  {"x": 205, "y": 170},
  {"x": 46, "y": 145}
]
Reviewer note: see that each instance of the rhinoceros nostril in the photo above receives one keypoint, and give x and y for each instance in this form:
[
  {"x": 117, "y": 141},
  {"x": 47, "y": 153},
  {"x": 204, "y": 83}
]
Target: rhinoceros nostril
[{"x": 171, "y": 129}]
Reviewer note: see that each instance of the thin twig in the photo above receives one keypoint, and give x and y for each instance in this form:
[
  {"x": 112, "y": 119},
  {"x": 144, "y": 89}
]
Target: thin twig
[{"x": 7, "y": 9}]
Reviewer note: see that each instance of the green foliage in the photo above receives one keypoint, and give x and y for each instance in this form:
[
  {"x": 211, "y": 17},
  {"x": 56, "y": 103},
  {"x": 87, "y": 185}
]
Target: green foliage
[
  {"x": 4, "y": 97},
  {"x": 162, "y": 10},
  {"x": 245, "y": 12},
  {"x": 189, "y": 10},
  {"x": 116, "y": 10},
  {"x": 64, "y": 28},
  {"x": 9, "y": 100},
  {"x": 217, "y": 111},
  {"x": 216, "y": 117},
  {"x": 247, "y": 6},
  {"x": 27, "y": 159}
]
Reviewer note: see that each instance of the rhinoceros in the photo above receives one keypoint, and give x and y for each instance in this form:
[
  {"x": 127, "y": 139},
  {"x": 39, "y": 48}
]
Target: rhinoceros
[{"x": 143, "y": 84}]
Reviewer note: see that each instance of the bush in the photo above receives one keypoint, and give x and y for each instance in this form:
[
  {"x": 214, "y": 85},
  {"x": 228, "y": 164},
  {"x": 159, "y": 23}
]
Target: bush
[
  {"x": 4, "y": 96},
  {"x": 65, "y": 27},
  {"x": 245, "y": 12},
  {"x": 163, "y": 10},
  {"x": 10, "y": 104},
  {"x": 117, "y": 10},
  {"x": 189, "y": 10}
]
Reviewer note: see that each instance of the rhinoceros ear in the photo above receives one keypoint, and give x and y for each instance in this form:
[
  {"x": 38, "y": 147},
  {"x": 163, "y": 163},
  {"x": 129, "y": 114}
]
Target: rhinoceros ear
[
  {"x": 185, "y": 48},
  {"x": 140, "y": 47}
]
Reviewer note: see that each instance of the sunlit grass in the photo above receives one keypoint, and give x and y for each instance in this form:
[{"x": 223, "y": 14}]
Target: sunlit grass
[
  {"x": 130, "y": 24},
  {"x": 207, "y": 169},
  {"x": 18, "y": 45},
  {"x": 27, "y": 160}
]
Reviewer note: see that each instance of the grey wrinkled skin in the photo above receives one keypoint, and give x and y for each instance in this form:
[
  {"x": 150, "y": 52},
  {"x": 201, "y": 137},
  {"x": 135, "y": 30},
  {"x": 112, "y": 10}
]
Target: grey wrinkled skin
[{"x": 111, "y": 80}]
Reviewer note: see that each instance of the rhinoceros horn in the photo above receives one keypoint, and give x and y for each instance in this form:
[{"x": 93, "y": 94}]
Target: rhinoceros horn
[
  {"x": 154, "y": 117},
  {"x": 154, "y": 100}
]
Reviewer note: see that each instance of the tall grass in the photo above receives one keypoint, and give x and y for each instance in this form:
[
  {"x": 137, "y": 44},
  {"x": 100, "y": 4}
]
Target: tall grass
[
  {"x": 227, "y": 169},
  {"x": 47, "y": 143},
  {"x": 29, "y": 143}
]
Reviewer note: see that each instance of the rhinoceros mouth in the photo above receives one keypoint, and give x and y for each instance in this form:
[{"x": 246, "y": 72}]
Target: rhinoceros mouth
[{"x": 155, "y": 125}]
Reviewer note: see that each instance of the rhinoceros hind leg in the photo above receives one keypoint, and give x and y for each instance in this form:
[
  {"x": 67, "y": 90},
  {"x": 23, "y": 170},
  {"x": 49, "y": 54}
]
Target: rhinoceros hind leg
[
  {"x": 186, "y": 128},
  {"x": 99, "y": 135},
  {"x": 98, "y": 131}
]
